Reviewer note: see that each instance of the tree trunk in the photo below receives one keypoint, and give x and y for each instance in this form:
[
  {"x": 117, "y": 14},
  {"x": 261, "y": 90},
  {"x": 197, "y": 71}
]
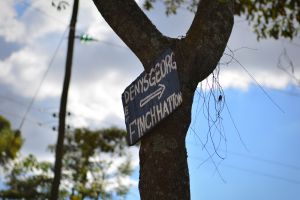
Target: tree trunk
[{"x": 163, "y": 157}]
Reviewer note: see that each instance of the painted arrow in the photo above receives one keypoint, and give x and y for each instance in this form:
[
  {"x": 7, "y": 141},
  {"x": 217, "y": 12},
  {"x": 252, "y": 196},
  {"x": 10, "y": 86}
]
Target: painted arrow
[{"x": 157, "y": 93}]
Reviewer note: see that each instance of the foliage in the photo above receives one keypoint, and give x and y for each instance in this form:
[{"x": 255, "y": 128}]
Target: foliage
[
  {"x": 276, "y": 18},
  {"x": 269, "y": 18},
  {"x": 28, "y": 179},
  {"x": 94, "y": 166},
  {"x": 96, "y": 162},
  {"x": 10, "y": 142}
]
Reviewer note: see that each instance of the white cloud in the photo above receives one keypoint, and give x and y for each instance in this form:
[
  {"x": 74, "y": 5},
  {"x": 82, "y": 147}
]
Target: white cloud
[
  {"x": 256, "y": 62},
  {"x": 240, "y": 79},
  {"x": 31, "y": 60},
  {"x": 101, "y": 72},
  {"x": 20, "y": 68},
  {"x": 10, "y": 27},
  {"x": 92, "y": 102},
  {"x": 92, "y": 22},
  {"x": 37, "y": 20}
]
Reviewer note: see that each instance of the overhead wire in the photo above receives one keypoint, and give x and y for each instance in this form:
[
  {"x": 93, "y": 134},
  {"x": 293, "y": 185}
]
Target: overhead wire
[
  {"x": 268, "y": 161},
  {"x": 12, "y": 100},
  {"x": 259, "y": 85},
  {"x": 43, "y": 12},
  {"x": 260, "y": 173},
  {"x": 22, "y": 104},
  {"x": 42, "y": 80},
  {"x": 112, "y": 44},
  {"x": 121, "y": 46},
  {"x": 34, "y": 122},
  {"x": 289, "y": 93},
  {"x": 46, "y": 72},
  {"x": 259, "y": 159},
  {"x": 256, "y": 172},
  {"x": 254, "y": 79},
  {"x": 66, "y": 24}
]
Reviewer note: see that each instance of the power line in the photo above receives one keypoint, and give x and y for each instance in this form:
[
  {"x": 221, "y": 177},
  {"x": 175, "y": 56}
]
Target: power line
[
  {"x": 43, "y": 12},
  {"x": 259, "y": 173},
  {"x": 289, "y": 93},
  {"x": 256, "y": 172},
  {"x": 37, "y": 123},
  {"x": 22, "y": 104},
  {"x": 12, "y": 100},
  {"x": 264, "y": 91},
  {"x": 112, "y": 44},
  {"x": 64, "y": 23},
  {"x": 42, "y": 80},
  {"x": 260, "y": 159},
  {"x": 257, "y": 83},
  {"x": 269, "y": 161}
]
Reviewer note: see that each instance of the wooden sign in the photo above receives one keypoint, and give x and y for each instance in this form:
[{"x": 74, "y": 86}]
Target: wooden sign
[{"x": 151, "y": 97}]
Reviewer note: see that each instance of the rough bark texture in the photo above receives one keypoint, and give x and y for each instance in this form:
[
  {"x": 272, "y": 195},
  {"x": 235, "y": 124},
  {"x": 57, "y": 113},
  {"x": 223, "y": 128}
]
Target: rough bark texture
[{"x": 163, "y": 157}]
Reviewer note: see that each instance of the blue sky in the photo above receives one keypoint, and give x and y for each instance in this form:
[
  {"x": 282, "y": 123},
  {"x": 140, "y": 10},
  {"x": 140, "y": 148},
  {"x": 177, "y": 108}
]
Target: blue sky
[{"x": 269, "y": 169}]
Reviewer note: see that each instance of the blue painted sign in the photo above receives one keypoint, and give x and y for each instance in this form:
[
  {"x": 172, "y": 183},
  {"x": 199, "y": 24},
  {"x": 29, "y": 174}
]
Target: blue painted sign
[{"x": 151, "y": 97}]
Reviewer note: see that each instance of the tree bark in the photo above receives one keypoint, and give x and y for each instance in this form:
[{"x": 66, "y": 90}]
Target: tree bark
[
  {"x": 163, "y": 157},
  {"x": 131, "y": 24}
]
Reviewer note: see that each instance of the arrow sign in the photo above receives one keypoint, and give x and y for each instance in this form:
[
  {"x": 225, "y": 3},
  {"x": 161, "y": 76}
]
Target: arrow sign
[
  {"x": 151, "y": 97},
  {"x": 158, "y": 93}
]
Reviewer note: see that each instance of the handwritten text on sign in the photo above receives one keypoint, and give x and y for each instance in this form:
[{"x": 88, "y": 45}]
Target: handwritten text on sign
[{"x": 151, "y": 97}]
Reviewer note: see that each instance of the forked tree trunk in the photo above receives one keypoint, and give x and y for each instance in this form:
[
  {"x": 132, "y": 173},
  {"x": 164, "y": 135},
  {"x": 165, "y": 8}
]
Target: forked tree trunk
[{"x": 163, "y": 157}]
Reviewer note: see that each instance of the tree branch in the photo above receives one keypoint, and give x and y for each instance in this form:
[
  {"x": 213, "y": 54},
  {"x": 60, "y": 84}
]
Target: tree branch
[
  {"x": 207, "y": 37},
  {"x": 134, "y": 28}
]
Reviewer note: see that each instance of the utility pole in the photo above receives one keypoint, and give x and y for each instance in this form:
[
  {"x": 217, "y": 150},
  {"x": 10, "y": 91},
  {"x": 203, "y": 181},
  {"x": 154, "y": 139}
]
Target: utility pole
[{"x": 59, "y": 150}]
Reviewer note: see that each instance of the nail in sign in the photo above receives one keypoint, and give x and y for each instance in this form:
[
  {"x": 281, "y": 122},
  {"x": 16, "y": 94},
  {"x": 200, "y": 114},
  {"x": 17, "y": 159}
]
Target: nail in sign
[{"x": 151, "y": 97}]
